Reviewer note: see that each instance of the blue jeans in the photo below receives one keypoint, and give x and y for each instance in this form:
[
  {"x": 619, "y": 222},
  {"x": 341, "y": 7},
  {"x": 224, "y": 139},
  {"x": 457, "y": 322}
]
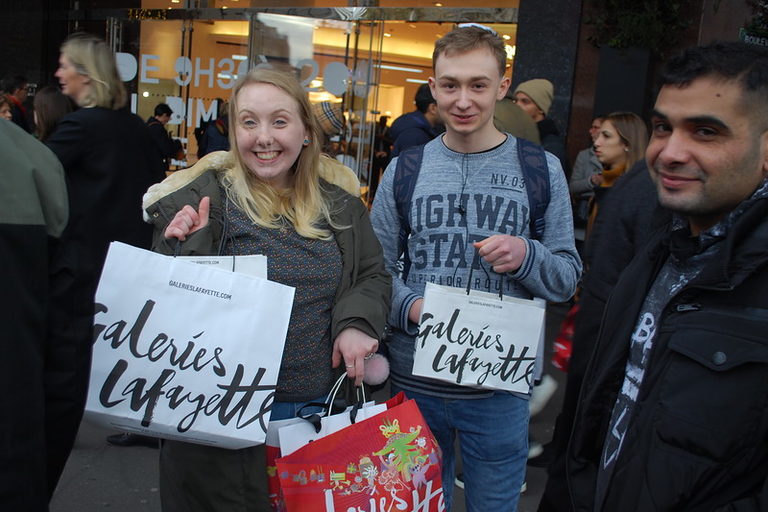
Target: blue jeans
[
  {"x": 287, "y": 410},
  {"x": 493, "y": 436}
]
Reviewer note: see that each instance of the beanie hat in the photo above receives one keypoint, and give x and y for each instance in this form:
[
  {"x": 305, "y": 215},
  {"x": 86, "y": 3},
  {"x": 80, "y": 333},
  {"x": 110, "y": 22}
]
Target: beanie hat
[
  {"x": 540, "y": 91},
  {"x": 329, "y": 117}
]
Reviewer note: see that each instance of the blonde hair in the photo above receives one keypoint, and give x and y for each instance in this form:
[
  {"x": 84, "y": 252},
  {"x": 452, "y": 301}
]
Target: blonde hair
[
  {"x": 91, "y": 57},
  {"x": 303, "y": 205},
  {"x": 633, "y": 133}
]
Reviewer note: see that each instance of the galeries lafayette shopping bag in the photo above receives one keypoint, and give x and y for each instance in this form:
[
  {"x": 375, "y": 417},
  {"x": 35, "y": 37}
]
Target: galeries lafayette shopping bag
[
  {"x": 184, "y": 351},
  {"x": 478, "y": 340},
  {"x": 389, "y": 462}
]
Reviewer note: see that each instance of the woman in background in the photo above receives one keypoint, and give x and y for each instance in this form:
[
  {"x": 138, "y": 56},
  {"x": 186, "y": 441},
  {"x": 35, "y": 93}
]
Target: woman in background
[
  {"x": 50, "y": 105},
  {"x": 109, "y": 159},
  {"x": 620, "y": 143}
]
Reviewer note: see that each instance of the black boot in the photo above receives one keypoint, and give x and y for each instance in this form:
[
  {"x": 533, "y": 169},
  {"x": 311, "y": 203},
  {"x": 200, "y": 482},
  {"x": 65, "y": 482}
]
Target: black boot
[{"x": 128, "y": 439}]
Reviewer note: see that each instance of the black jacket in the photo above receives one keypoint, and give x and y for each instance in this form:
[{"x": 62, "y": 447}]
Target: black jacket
[
  {"x": 167, "y": 147},
  {"x": 108, "y": 158},
  {"x": 698, "y": 439},
  {"x": 33, "y": 213},
  {"x": 411, "y": 129}
]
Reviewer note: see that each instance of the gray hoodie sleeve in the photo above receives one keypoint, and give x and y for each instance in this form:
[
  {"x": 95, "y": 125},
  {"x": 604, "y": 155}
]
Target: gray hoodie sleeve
[
  {"x": 552, "y": 267},
  {"x": 386, "y": 225}
]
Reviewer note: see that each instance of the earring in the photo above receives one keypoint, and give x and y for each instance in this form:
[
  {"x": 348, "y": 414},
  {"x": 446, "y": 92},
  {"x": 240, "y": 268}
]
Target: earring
[
  {"x": 626, "y": 150},
  {"x": 306, "y": 142}
]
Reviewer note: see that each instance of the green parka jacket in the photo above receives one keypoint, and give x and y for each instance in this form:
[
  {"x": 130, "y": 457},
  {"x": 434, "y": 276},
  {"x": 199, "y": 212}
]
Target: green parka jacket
[{"x": 363, "y": 295}]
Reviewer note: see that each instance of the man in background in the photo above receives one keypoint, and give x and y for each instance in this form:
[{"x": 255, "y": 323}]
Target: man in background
[
  {"x": 535, "y": 97},
  {"x": 167, "y": 147},
  {"x": 15, "y": 87},
  {"x": 417, "y": 127}
]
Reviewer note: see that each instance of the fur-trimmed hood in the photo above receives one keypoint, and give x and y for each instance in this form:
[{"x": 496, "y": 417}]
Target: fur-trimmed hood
[{"x": 331, "y": 171}]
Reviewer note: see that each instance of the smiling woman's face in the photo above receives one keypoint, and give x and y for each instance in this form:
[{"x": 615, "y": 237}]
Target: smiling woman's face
[{"x": 270, "y": 132}]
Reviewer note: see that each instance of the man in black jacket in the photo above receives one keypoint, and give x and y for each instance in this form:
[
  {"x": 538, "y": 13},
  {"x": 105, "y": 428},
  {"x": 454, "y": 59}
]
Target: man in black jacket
[
  {"x": 417, "y": 127},
  {"x": 167, "y": 146},
  {"x": 672, "y": 413}
]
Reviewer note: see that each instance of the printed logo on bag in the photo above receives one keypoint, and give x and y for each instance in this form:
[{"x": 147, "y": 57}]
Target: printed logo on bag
[
  {"x": 185, "y": 351},
  {"x": 232, "y": 403},
  {"x": 478, "y": 340},
  {"x": 400, "y": 470}
]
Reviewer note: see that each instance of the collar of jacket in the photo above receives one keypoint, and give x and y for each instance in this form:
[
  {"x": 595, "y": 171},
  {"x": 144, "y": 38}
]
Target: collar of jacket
[
  {"x": 331, "y": 170},
  {"x": 740, "y": 251}
]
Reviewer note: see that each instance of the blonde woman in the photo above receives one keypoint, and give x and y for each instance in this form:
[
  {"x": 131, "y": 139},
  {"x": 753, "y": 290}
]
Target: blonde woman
[
  {"x": 273, "y": 194},
  {"x": 108, "y": 160},
  {"x": 620, "y": 143}
]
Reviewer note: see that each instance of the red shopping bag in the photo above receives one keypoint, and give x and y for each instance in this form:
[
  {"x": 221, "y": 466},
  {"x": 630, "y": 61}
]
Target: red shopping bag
[
  {"x": 272, "y": 446},
  {"x": 563, "y": 345},
  {"x": 390, "y": 461}
]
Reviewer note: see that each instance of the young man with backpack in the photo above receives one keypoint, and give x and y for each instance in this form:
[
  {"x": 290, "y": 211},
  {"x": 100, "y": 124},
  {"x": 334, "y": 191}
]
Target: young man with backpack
[{"x": 473, "y": 189}]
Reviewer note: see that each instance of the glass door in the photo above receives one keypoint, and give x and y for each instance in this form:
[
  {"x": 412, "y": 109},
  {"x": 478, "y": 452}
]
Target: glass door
[{"x": 360, "y": 66}]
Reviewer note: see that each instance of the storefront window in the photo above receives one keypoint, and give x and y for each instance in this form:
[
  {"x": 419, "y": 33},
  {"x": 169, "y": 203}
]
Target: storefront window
[{"x": 369, "y": 67}]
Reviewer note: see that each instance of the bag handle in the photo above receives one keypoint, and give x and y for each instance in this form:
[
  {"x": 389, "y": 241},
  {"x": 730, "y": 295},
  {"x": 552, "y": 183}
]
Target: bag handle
[
  {"x": 477, "y": 261},
  {"x": 316, "y": 419}
]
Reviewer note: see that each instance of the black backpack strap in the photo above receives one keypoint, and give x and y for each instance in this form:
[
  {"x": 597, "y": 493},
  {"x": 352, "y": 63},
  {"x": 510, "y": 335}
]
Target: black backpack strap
[
  {"x": 533, "y": 162},
  {"x": 406, "y": 174}
]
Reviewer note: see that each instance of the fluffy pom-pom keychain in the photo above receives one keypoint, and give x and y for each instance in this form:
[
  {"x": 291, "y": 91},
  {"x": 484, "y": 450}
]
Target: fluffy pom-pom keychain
[{"x": 376, "y": 370}]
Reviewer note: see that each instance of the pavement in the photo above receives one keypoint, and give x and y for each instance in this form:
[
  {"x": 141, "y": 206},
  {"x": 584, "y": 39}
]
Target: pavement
[{"x": 100, "y": 477}]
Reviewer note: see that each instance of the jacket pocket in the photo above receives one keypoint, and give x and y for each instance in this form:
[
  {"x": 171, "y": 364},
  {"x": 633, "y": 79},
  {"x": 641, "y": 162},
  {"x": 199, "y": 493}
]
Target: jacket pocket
[{"x": 715, "y": 388}]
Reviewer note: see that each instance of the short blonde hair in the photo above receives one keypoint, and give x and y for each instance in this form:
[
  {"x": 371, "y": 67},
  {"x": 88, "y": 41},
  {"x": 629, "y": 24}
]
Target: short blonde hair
[
  {"x": 303, "y": 205},
  {"x": 91, "y": 57},
  {"x": 463, "y": 39}
]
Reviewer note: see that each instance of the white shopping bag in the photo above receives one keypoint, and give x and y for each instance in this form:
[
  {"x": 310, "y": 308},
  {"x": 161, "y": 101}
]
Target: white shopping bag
[
  {"x": 184, "y": 351},
  {"x": 478, "y": 339},
  {"x": 294, "y": 435},
  {"x": 253, "y": 264}
]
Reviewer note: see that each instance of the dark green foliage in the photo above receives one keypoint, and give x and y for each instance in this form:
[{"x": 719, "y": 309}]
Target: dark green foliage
[{"x": 653, "y": 24}]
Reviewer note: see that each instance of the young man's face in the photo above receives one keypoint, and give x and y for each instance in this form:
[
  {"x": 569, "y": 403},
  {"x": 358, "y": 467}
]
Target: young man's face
[
  {"x": 466, "y": 87},
  {"x": 708, "y": 152}
]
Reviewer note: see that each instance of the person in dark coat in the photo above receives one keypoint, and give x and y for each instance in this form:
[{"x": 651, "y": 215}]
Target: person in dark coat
[
  {"x": 109, "y": 162},
  {"x": 417, "y": 127},
  {"x": 33, "y": 213},
  {"x": 50, "y": 106},
  {"x": 167, "y": 147},
  {"x": 624, "y": 225},
  {"x": 671, "y": 413}
]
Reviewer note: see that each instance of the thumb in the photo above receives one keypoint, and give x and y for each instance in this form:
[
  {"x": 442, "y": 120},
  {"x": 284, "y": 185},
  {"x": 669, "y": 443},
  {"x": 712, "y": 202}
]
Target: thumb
[{"x": 204, "y": 210}]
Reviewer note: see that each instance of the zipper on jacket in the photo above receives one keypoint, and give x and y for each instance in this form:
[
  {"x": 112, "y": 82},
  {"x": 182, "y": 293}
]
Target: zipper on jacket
[{"x": 683, "y": 308}]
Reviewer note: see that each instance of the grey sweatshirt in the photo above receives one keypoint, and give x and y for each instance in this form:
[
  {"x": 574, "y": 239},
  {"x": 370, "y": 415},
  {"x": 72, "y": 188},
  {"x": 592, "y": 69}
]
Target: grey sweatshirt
[{"x": 489, "y": 187}]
